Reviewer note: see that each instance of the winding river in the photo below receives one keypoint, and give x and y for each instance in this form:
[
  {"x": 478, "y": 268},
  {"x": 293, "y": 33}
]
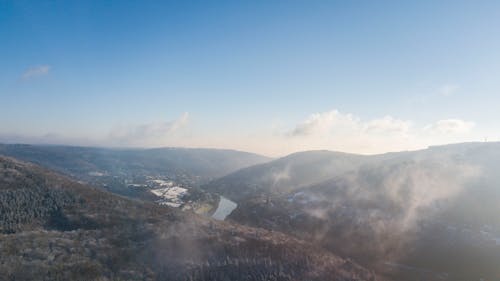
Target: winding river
[{"x": 224, "y": 209}]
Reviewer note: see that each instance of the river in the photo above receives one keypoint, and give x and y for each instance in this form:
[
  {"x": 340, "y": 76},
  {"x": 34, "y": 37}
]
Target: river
[{"x": 224, "y": 209}]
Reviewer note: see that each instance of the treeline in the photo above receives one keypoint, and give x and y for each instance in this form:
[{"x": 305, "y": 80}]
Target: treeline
[{"x": 26, "y": 200}]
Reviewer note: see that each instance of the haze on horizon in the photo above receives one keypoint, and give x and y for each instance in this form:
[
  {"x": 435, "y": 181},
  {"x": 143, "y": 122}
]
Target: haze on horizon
[{"x": 271, "y": 77}]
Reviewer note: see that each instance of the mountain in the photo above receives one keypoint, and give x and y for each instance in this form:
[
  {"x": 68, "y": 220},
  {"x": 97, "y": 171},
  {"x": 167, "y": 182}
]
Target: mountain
[
  {"x": 54, "y": 228},
  {"x": 193, "y": 166},
  {"x": 285, "y": 174},
  {"x": 422, "y": 215},
  {"x": 164, "y": 175}
]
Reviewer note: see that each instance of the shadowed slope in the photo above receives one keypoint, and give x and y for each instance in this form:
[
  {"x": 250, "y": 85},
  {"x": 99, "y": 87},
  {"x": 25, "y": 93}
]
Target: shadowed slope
[{"x": 55, "y": 229}]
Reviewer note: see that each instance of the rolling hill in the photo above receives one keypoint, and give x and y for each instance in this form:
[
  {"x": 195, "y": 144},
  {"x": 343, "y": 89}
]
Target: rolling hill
[
  {"x": 285, "y": 174},
  {"x": 54, "y": 228},
  {"x": 192, "y": 166},
  {"x": 429, "y": 214},
  {"x": 145, "y": 174}
]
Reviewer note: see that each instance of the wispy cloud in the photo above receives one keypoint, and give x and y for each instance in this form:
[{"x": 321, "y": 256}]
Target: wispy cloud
[
  {"x": 448, "y": 89},
  {"x": 450, "y": 126},
  {"x": 323, "y": 123},
  {"x": 331, "y": 130},
  {"x": 388, "y": 124},
  {"x": 336, "y": 123},
  {"x": 36, "y": 71},
  {"x": 150, "y": 133}
]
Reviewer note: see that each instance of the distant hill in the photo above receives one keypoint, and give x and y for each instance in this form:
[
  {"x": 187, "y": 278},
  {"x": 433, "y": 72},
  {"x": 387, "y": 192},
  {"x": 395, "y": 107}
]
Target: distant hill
[
  {"x": 53, "y": 228},
  {"x": 136, "y": 172},
  {"x": 286, "y": 174},
  {"x": 423, "y": 215},
  {"x": 195, "y": 166}
]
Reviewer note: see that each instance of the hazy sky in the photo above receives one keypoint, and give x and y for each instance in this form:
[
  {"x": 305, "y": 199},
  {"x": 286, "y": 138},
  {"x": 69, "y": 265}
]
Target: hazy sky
[{"x": 265, "y": 76}]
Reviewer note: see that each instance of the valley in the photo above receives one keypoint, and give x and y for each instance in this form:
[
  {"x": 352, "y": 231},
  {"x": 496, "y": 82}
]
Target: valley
[
  {"x": 54, "y": 228},
  {"x": 263, "y": 140},
  {"x": 408, "y": 216},
  {"x": 421, "y": 215}
]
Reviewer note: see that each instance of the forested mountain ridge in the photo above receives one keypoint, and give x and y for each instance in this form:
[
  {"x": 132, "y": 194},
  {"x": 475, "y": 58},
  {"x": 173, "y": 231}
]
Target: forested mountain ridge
[
  {"x": 192, "y": 165},
  {"x": 56, "y": 229},
  {"x": 286, "y": 174},
  {"x": 422, "y": 215},
  {"x": 168, "y": 176}
]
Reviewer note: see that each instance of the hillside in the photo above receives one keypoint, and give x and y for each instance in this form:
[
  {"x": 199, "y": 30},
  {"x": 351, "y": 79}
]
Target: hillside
[
  {"x": 285, "y": 174},
  {"x": 53, "y": 228},
  {"x": 189, "y": 166},
  {"x": 430, "y": 214},
  {"x": 168, "y": 176}
]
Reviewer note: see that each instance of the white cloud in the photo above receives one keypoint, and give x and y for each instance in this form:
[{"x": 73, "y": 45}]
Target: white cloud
[
  {"x": 36, "y": 71},
  {"x": 448, "y": 89},
  {"x": 154, "y": 133},
  {"x": 323, "y": 123},
  {"x": 450, "y": 127},
  {"x": 335, "y": 123},
  {"x": 331, "y": 130},
  {"x": 179, "y": 123},
  {"x": 346, "y": 132},
  {"x": 388, "y": 124}
]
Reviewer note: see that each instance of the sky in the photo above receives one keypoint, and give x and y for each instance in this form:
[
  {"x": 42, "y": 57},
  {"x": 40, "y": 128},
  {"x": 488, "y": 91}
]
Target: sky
[{"x": 271, "y": 77}]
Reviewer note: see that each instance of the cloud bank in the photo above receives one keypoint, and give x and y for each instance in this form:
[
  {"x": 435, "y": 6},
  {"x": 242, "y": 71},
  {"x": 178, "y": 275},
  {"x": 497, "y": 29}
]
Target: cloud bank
[
  {"x": 36, "y": 71},
  {"x": 334, "y": 122},
  {"x": 335, "y": 130},
  {"x": 330, "y": 130}
]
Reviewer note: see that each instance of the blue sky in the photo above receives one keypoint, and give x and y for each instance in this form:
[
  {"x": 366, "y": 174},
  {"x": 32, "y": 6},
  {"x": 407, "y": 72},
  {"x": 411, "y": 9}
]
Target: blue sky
[{"x": 266, "y": 76}]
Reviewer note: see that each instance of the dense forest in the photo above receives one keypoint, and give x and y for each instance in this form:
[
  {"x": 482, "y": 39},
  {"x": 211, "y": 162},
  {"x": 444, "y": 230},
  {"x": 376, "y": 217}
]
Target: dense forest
[{"x": 56, "y": 229}]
